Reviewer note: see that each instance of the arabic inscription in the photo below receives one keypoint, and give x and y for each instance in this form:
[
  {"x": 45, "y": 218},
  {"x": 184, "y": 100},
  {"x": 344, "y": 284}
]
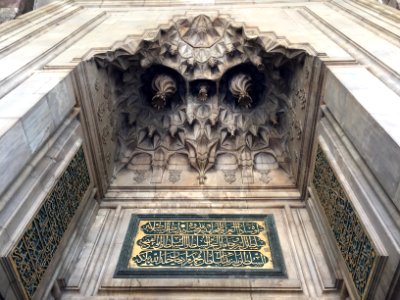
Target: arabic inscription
[{"x": 201, "y": 244}]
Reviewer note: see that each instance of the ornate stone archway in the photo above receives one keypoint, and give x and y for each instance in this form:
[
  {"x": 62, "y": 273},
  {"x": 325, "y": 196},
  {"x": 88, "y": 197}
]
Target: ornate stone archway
[{"x": 204, "y": 97}]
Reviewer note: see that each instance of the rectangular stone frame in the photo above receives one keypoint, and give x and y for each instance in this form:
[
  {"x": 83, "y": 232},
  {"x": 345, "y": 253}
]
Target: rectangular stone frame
[
  {"x": 380, "y": 257},
  {"x": 122, "y": 271}
]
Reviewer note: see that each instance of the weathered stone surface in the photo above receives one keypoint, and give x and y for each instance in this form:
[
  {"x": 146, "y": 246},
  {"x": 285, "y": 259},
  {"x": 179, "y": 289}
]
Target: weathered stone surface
[
  {"x": 10, "y": 9},
  {"x": 8, "y": 13},
  {"x": 14, "y": 150},
  {"x": 366, "y": 110},
  {"x": 40, "y": 3},
  {"x": 392, "y": 3}
]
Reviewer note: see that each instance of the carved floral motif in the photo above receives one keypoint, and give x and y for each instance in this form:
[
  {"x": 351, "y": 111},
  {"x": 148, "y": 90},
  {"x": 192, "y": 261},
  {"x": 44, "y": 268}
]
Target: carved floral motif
[
  {"x": 265, "y": 178},
  {"x": 140, "y": 176},
  {"x": 240, "y": 87},
  {"x": 229, "y": 176},
  {"x": 202, "y": 96},
  {"x": 301, "y": 97},
  {"x": 174, "y": 176},
  {"x": 164, "y": 87}
]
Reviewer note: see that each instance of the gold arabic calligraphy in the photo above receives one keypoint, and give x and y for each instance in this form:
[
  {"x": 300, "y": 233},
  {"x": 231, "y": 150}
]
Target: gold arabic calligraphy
[{"x": 199, "y": 243}]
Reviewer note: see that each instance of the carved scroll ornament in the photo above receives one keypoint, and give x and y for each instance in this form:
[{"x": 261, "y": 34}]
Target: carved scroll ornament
[
  {"x": 240, "y": 87},
  {"x": 164, "y": 87}
]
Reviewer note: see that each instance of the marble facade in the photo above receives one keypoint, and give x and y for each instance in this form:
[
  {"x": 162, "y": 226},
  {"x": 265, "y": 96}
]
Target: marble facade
[{"x": 84, "y": 74}]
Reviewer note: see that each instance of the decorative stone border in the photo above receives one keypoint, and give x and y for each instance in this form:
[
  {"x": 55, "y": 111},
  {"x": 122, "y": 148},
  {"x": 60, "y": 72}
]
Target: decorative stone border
[
  {"x": 37, "y": 246},
  {"x": 352, "y": 240}
]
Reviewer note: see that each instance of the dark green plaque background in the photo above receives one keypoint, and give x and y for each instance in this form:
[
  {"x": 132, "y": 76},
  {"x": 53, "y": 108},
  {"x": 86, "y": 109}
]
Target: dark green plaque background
[{"x": 123, "y": 269}]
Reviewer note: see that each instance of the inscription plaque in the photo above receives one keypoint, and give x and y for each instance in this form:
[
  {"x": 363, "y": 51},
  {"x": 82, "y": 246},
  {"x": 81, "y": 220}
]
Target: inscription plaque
[
  {"x": 213, "y": 245},
  {"x": 353, "y": 241}
]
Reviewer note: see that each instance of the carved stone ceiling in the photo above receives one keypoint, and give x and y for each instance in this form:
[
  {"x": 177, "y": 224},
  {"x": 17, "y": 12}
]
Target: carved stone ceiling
[{"x": 204, "y": 102}]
